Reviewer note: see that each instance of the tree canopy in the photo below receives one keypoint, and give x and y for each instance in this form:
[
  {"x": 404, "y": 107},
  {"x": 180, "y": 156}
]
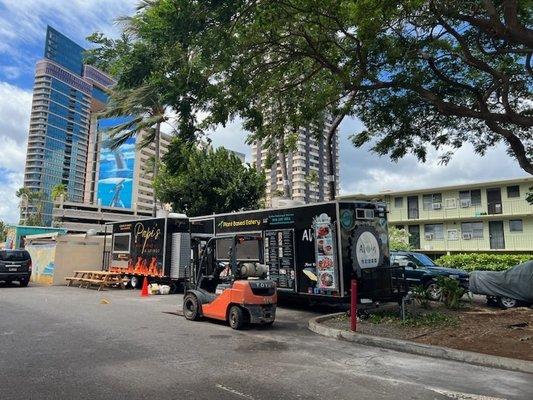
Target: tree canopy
[
  {"x": 200, "y": 181},
  {"x": 418, "y": 73}
]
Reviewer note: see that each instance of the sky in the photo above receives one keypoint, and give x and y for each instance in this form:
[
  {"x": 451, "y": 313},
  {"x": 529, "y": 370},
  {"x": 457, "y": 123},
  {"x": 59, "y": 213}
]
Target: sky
[{"x": 22, "y": 34}]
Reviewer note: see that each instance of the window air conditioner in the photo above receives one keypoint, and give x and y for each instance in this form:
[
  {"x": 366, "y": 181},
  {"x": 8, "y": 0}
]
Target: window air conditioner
[
  {"x": 437, "y": 206},
  {"x": 467, "y": 236},
  {"x": 465, "y": 203},
  {"x": 429, "y": 236}
]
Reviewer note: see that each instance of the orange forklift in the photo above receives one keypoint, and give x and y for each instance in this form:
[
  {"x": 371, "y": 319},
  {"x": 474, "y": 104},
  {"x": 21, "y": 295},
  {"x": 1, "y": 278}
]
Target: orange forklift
[{"x": 228, "y": 282}]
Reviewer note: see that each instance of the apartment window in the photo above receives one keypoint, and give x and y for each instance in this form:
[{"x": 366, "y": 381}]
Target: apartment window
[
  {"x": 473, "y": 229},
  {"x": 398, "y": 202},
  {"x": 431, "y": 201},
  {"x": 434, "y": 231},
  {"x": 516, "y": 225},
  {"x": 513, "y": 191},
  {"x": 472, "y": 196}
]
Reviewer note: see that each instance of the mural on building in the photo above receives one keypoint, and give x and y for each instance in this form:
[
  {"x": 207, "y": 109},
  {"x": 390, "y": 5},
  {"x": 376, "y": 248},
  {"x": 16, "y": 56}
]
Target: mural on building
[
  {"x": 115, "y": 177},
  {"x": 43, "y": 265}
]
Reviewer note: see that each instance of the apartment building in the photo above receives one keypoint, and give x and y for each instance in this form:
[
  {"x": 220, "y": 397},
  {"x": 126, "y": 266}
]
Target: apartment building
[
  {"x": 486, "y": 216},
  {"x": 307, "y": 169}
]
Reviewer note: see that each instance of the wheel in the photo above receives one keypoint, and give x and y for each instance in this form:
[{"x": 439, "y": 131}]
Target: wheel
[
  {"x": 24, "y": 282},
  {"x": 433, "y": 291},
  {"x": 236, "y": 318},
  {"x": 191, "y": 307},
  {"x": 507, "y": 302},
  {"x": 135, "y": 282}
]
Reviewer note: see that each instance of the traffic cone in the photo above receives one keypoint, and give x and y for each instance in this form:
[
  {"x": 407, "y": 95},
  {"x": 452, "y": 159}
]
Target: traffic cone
[{"x": 144, "y": 290}]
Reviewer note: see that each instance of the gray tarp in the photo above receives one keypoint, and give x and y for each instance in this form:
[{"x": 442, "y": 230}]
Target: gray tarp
[{"x": 516, "y": 282}]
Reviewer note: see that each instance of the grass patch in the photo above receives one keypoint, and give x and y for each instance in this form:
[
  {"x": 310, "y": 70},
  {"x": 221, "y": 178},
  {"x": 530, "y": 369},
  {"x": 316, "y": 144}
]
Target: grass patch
[{"x": 431, "y": 319}]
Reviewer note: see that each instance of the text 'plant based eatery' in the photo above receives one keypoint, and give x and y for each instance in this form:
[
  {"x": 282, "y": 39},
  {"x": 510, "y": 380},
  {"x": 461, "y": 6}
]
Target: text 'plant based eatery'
[{"x": 310, "y": 251}]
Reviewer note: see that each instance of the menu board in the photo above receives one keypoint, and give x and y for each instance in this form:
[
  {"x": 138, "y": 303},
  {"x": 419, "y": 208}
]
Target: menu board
[
  {"x": 325, "y": 252},
  {"x": 279, "y": 257}
]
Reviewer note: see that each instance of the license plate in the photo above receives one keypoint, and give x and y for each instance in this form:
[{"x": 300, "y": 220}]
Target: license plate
[{"x": 13, "y": 269}]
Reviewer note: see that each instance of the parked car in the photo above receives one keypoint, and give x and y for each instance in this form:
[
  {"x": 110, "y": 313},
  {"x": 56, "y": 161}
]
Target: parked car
[
  {"x": 15, "y": 265},
  {"x": 506, "y": 289},
  {"x": 421, "y": 270}
]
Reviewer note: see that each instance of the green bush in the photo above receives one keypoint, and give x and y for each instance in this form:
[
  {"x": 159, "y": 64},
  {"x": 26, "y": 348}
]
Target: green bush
[{"x": 483, "y": 261}]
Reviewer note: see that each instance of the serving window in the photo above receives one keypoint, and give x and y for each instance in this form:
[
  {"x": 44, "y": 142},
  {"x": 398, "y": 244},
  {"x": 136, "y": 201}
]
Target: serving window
[{"x": 121, "y": 243}]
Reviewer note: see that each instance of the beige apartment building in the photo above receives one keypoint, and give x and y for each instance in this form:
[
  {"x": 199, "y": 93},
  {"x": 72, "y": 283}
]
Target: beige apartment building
[
  {"x": 486, "y": 216},
  {"x": 307, "y": 169}
]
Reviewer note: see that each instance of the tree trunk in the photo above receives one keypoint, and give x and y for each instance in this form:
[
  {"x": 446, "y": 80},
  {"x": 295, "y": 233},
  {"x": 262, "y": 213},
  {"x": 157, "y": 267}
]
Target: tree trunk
[
  {"x": 157, "y": 159},
  {"x": 283, "y": 166}
]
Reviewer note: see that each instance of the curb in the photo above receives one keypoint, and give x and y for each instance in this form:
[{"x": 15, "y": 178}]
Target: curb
[{"x": 315, "y": 325}]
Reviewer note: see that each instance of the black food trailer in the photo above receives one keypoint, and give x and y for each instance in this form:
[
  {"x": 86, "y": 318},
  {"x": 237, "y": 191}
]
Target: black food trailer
[
  {"x": 315, "y": 250},
  {"x": 158, "y": 248}
]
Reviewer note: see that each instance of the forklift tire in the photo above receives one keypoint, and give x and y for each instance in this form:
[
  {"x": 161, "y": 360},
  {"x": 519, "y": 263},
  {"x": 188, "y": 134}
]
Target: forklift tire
[
  {"x": 191, "y": 307},
  {"x": 236, "y": 318}
]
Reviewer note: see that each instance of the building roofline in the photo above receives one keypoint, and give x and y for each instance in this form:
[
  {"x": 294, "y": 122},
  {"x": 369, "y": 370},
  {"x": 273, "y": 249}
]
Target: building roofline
[{"x": 471, "y": 185}]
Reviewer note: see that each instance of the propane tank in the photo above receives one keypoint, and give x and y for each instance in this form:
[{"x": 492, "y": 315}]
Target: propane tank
[{"x": 252, "y": 270}]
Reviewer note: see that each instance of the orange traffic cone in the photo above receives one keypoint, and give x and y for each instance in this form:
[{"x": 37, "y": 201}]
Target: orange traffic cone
[{"x": 144, "y": 290}]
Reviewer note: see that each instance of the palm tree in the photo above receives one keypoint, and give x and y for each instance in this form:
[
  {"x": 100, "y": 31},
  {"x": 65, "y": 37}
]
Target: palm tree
[
  {"x": 30, "y": 198},
  {"x": 147, "y": 110},
  {"x": 58, "y": 191}
]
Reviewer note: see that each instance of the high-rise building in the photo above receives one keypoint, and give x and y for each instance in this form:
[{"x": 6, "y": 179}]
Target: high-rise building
[
  {"x": 66, "y": 94},
  {"x": 307, "y": 169}
]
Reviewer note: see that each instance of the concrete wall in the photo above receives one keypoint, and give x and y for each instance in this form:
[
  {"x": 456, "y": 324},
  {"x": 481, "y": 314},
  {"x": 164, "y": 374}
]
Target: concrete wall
[{"x": 54, "y": 260}]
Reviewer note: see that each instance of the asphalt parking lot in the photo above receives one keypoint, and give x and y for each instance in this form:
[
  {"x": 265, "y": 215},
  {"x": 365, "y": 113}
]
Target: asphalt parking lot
[{"x": 65, "y": 342}]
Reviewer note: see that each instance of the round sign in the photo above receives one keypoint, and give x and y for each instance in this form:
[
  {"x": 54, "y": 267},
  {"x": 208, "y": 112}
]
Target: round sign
[{"x": 367, "y": 250}]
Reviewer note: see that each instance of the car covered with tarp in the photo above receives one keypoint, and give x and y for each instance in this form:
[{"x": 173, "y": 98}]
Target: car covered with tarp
[{"x": 506, "y": 288}]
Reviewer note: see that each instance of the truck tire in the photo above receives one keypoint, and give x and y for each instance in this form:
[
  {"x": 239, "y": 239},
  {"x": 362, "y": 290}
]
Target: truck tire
[
  {"x": 433, "y": 291},
  {"x": 191, "y": 307},
  {"x": 236, "y": 318},
  {"x": 24, "y": 282},
  {"x": 135, "y": 282}
]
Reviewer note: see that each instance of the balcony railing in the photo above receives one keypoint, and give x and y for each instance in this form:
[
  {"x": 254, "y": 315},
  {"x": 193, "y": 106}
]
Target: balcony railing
[
  {"x": 513, "y": 242},
  {"x": 505, "y": 208}
]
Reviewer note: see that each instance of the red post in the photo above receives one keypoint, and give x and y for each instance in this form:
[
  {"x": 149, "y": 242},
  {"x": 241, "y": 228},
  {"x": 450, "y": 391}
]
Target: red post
[{"x": 353, "y": 306}]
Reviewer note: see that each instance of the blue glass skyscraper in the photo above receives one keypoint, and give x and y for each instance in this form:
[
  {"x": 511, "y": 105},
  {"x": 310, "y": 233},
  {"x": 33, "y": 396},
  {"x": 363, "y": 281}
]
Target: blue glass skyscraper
[{"x": 65, "y": 94}]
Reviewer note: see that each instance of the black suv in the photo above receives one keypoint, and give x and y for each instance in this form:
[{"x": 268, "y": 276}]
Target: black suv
[
  {"x": 421, "y": 270},
  {"x": 15, "y": 265}
]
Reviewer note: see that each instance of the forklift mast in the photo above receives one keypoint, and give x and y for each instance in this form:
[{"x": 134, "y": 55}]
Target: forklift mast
[{"x": 205, "y": 264}]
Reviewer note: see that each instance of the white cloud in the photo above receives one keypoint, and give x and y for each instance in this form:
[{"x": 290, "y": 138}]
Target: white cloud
[
  {"x": 10, "y": 182},
  {"x": 15, "y": 106},
  {"x": 24, "y": 21},
  {"x": 362, "y": 171}
]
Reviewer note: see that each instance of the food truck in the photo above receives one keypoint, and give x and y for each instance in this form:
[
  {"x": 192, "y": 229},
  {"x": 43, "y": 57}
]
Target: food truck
[
  {"x": 311, "y": 250},
  {"x": 315, "y": 250},
  {"x": 158, "y": 248}
]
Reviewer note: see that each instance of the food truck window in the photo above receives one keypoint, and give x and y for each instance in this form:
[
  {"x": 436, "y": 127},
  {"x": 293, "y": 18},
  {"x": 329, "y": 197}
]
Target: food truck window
[
  {"x": 121, "y": 243},
  {"x": 246, "y": 250}
]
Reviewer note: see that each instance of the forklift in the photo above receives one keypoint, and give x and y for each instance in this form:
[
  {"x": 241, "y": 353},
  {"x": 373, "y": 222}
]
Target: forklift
[{"x": 228, "y": 282}]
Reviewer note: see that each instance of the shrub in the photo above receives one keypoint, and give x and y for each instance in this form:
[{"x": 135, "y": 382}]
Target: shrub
[
  {"x": 420, "y": 295},
  {"x": 451, "y": 292},
  {"x": 483, "y": 261}
]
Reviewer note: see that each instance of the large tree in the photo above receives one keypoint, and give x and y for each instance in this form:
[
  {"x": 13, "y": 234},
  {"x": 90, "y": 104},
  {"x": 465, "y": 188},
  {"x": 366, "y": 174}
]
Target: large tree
[
  {"x": 200, "y": 181},
  {"x": 419, "y": 74}
]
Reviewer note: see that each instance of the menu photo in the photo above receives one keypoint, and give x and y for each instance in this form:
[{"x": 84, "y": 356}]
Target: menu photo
[{"x": 325, "y": 257}]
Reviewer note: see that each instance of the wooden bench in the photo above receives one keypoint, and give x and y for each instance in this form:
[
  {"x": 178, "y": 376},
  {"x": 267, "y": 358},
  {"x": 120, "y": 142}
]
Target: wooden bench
[{"x": 96, "y": 278}]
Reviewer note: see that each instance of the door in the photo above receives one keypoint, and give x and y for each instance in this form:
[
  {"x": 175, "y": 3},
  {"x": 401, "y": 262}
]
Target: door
[
  {"x": 414, "y": 238},
  {"x": 412, "y": 207},
  {"x": 497, "y": 240},
  {"x": 494, "y": 201}
]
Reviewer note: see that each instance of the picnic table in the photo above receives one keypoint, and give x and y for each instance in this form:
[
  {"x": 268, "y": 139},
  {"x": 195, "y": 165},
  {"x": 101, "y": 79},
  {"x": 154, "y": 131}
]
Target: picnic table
[{"x": 97, "y": 278}]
